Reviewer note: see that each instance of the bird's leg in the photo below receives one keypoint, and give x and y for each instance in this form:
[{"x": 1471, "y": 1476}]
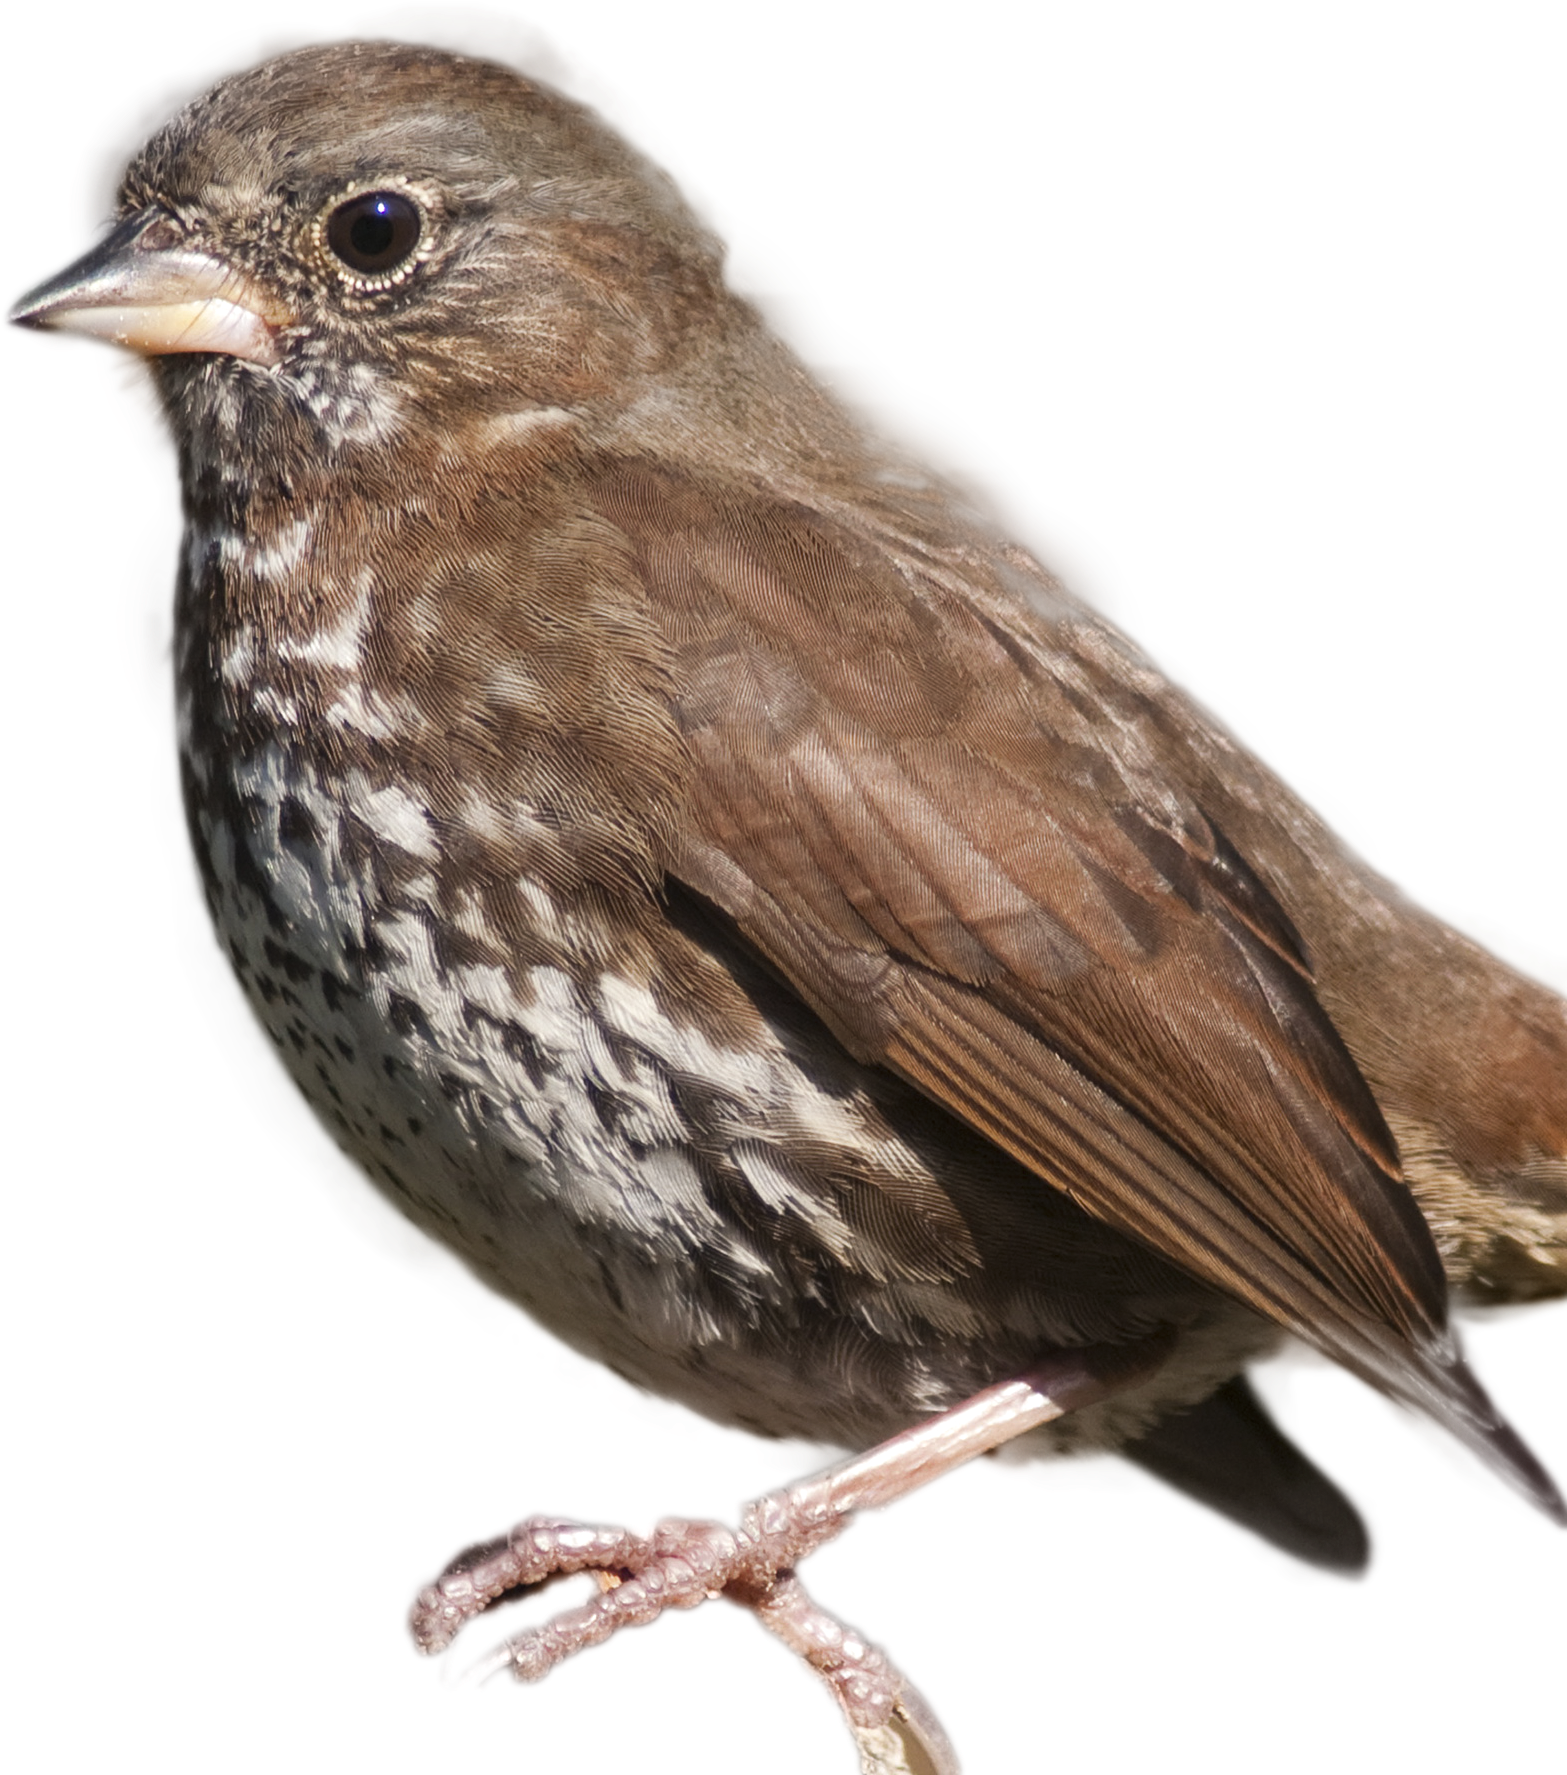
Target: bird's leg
[{"x": 685, "y": 1563}]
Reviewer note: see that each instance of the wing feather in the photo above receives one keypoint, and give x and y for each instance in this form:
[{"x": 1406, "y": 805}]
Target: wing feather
[{"x": 908, "y": 798}]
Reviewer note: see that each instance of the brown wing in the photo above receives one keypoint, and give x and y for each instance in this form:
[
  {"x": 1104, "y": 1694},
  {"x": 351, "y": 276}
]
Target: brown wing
[{"x": 907, "y": 800}]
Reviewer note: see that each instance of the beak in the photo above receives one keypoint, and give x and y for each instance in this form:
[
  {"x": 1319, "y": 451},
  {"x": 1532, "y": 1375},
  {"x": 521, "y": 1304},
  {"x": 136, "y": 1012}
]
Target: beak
[{"x": 156, "y": 298}]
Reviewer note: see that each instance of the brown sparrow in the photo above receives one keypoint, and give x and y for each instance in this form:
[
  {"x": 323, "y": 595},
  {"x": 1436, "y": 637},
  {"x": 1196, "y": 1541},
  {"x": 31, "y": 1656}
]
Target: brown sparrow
[{"x": 711, "y": 878}]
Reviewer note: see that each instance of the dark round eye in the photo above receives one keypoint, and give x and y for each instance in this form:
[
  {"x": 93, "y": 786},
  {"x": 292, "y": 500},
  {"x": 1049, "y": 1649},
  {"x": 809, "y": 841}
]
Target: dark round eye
[{"x": 374, "y": 232}]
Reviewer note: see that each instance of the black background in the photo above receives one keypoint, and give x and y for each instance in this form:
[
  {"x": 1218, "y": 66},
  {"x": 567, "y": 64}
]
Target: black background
[{"x": 251, "y": 1436}]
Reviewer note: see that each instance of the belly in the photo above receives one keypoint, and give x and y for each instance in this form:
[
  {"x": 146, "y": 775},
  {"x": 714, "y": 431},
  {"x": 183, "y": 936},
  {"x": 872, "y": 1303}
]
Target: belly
[{"x": 769, "y": 1233}]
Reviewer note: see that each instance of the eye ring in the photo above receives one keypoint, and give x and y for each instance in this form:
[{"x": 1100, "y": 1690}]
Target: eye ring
[{"x": 373, "y": 238}]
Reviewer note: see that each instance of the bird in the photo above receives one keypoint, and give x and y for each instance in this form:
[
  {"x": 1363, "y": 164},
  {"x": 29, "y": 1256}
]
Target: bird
[{"x": 714, "y": 880}]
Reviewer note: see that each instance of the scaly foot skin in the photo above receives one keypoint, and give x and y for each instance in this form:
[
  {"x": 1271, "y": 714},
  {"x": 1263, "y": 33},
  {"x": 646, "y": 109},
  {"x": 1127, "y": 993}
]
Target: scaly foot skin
[
  {"x": 686, "y": 1563},
  {"x": 683, "y": 1564}
]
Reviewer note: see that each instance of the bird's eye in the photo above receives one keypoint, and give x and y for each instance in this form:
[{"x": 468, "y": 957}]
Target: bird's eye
[{"x": 375, "y": 232}]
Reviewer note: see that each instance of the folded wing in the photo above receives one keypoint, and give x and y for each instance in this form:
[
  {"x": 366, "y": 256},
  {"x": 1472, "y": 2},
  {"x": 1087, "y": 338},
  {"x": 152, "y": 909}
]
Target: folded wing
[{"x": 908, "y": 800}]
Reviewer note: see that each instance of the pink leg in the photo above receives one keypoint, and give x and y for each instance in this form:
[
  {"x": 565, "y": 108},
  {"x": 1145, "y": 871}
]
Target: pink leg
[{"x": 755, "y": 1564}]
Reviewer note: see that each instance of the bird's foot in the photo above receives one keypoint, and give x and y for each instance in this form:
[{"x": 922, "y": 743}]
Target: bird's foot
[
  {"x": 680, "y": 1565},
  {"x": 686, "y": 1563}
]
